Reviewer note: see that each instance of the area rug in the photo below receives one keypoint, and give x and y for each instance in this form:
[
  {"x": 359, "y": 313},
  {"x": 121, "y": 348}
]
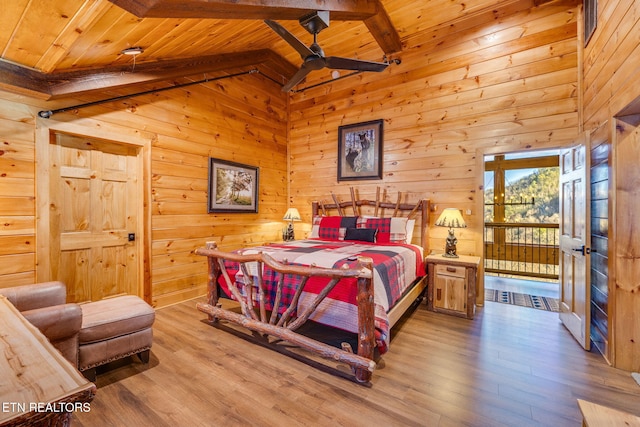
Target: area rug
[{"x": 524, "y": 300}]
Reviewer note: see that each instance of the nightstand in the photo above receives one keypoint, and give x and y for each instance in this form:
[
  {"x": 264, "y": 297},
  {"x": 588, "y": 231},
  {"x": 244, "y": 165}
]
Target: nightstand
[{"x": 452, "y": 284}]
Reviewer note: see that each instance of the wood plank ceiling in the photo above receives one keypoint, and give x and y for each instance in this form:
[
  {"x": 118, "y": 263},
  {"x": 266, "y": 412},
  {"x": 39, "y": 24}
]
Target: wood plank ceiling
[{"x": 70, "y": 47}]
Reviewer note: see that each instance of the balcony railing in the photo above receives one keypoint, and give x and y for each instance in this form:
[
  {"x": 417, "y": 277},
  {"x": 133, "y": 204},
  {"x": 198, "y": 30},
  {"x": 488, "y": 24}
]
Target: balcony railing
[{"x": 522, "y": 249}]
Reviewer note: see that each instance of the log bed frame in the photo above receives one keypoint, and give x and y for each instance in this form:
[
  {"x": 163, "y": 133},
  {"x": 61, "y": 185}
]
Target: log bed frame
[{"x": 283, "y": 326}]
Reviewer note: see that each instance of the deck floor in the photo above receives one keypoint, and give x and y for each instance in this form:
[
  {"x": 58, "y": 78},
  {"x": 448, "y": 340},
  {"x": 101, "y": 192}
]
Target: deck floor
[{"x": 523, "y": 286}]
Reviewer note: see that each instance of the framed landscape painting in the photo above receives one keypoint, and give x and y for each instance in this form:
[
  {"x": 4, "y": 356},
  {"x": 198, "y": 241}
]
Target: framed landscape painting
[
  {"x": 233, "y": 187},
  {"x": 360, "y": 151}
]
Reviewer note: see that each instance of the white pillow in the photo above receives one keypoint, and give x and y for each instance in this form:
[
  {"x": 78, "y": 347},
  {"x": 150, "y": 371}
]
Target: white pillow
[{"x": 410, "y": 224}]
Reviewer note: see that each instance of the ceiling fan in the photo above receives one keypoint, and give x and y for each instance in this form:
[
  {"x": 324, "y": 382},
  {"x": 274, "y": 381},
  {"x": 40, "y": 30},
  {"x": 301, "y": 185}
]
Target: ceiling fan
[{"x": 313, "y": 56}]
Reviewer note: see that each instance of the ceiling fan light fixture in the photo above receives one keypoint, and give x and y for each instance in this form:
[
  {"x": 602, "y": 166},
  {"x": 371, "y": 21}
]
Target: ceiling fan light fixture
[{"x": 132, "y": 51}]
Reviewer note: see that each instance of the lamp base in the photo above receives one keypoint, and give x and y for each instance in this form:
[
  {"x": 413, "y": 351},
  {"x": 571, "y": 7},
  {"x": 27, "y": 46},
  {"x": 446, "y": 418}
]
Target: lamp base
[
  {"x": 288, "y": 235},
  {"x": 450, "y": 247}
]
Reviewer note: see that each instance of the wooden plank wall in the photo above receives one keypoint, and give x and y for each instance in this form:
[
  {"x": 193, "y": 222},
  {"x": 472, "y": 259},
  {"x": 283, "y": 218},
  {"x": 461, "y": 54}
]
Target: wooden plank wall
[
  {"x": 221, "y": 119},
  {"x": 611, "y": 88},
  {"x": 17, "y": 194},
  {"x": 611, "y": 62},
  {"x": 460, "y": 91}
]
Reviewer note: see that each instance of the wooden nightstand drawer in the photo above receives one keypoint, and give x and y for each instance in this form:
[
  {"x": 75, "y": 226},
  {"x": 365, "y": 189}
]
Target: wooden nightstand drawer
[{"x": 450, "y": 270}]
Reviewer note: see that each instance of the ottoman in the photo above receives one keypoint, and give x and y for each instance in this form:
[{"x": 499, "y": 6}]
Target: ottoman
[{"x": 112, "y": 329}]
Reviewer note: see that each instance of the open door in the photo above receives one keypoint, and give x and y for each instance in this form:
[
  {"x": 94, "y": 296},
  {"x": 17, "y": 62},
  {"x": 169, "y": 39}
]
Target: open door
[{"x": 574, "y": 243}]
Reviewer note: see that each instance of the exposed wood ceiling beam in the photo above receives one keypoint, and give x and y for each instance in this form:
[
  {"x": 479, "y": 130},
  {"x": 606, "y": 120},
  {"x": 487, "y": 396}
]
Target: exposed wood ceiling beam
[
  {"x": 26, "y": 81},
  {"x": 78, "y": 82},
  {"x": 370, "y": 11},
  {"x": 384, "y": 32},
  {"x": 341, "y": 10}
]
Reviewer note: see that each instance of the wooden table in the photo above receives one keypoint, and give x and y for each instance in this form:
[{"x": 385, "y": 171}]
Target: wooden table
[
  {"x": 39, "y": 386},
  {"x": 594, "y": 415}
]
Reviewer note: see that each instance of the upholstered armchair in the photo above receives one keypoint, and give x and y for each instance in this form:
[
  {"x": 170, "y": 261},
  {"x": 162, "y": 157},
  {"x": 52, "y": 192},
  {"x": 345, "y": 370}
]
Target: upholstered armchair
[{"x": 44, "y": 306}]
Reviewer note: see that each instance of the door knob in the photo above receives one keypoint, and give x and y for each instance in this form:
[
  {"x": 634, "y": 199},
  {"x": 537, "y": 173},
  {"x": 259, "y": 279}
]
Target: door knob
[{"x": 584, "y": 250}]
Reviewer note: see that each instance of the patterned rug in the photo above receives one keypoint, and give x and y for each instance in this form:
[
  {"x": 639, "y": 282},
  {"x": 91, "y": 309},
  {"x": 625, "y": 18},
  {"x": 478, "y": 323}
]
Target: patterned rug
[{"x": 524, "y": 300}]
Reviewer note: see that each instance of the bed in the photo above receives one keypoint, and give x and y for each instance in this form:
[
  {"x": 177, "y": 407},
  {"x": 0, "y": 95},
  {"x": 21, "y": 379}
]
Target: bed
[{"x": 355, "y": 273}]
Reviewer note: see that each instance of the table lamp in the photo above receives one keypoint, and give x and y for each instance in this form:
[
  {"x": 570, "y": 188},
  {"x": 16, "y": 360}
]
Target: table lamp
[
  {"x": 291, "y": 215},
  {"x": 452, "y": 218}
]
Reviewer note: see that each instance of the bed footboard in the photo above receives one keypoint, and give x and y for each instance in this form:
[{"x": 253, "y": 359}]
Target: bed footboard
[{"x": 280, "y": 320}]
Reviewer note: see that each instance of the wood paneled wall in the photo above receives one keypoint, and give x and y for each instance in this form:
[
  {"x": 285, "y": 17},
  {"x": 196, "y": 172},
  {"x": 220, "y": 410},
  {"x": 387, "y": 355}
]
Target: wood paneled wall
[
  {"x": 222, "y": 119},
  {"x": 610, "y": 69},
  {"x": 611, "y": 101},
  {"x": 17, "y": 194},
  {"x": 459, "y": 92}
]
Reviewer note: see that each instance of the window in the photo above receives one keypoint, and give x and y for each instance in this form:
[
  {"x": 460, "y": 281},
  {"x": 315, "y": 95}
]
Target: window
[{"x": 590, "y": 19}]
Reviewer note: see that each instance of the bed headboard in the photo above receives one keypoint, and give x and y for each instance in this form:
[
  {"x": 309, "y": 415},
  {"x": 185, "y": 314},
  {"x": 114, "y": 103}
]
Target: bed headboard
[{"x": 378, "y": 208}]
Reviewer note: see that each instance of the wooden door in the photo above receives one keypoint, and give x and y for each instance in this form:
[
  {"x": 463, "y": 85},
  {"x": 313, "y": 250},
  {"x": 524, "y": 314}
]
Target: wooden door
[
  {"x": 94, "y": 196},
  {"x": 574, "y": 243}
]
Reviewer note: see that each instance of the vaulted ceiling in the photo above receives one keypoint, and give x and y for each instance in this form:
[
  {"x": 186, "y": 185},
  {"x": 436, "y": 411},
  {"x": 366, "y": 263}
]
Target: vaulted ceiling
[{"x": 62, "y": 48}]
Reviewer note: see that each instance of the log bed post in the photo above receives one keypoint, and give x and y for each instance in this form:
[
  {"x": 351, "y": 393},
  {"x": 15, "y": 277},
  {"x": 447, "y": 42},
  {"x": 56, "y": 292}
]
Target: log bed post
[
  {"x": 213, "y": 273},
  {"x": 366, "y": 320},
  {"x": 424, "y": 227}
]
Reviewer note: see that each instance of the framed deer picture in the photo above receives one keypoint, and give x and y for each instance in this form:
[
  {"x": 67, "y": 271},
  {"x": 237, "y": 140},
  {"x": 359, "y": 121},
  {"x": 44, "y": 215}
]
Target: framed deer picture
[{"x": 360, "y": 151}]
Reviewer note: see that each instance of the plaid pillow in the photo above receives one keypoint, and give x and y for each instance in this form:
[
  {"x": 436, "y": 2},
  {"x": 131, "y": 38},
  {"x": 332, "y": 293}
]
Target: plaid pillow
[
  {"x": 390, "y": 230},
  {"x": 331, "y": 227}
]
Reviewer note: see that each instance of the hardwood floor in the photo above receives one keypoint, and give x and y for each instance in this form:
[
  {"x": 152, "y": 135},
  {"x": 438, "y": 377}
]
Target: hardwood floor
[{"x": 510, "y": 366}]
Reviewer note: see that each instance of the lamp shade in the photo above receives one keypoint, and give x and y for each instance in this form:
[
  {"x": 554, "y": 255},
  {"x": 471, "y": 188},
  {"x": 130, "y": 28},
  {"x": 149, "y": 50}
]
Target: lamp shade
[
  {"x": 292, "y": 215},
  {"x": 452, "y": 218}
]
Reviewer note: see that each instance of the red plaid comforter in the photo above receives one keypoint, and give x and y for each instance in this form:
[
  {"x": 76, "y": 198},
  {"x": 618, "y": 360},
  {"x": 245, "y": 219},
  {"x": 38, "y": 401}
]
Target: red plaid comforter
[{"x": 396, "y": 266}]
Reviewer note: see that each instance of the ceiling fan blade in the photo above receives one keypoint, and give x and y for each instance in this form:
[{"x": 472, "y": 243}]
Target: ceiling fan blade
[
  {"x": 297, "y": 78},
  {"x": 302, "y": 49},
  {"x": 339, "y": 63}
]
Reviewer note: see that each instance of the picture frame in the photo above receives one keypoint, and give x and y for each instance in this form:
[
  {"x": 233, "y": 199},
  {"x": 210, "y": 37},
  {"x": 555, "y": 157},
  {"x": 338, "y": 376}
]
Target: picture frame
[
  {"x": 233, "y": 187},
  {"x": 360, "y": 151}
]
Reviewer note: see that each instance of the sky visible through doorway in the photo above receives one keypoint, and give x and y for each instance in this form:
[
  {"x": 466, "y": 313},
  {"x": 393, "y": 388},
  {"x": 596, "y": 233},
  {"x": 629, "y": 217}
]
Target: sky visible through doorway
[{"x": 515, "y": 175}]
